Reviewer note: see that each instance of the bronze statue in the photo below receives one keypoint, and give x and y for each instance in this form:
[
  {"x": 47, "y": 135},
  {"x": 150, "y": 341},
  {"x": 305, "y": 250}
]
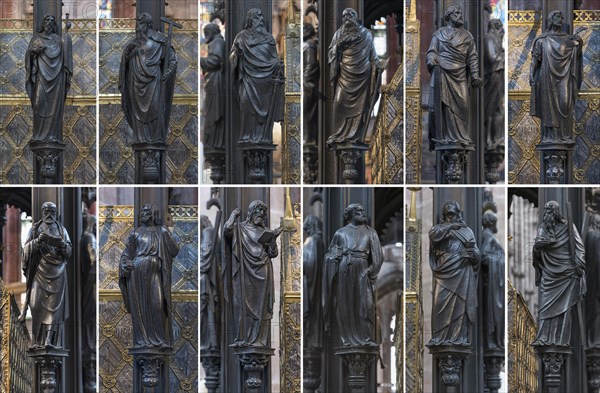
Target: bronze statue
[
  {"x": 145, "y": 280},
  {"x": 492, "y": 273},
  {"x": 210, "y": 281},
  {"x": 48, "y": 72},
  {"x": 352, "y": 262},
  {"x": 592, "y": 271},
  {"x": 558, "y": 259},
  {"x": 147, "y": 81},
  {"x": 310, "y": 85},
  {"x": 88, "y": 252},
  {"x": 213, "y": 67},
  {"x": 493, "y": 66},
  {"x": 258, "y": 77},
  {"x": 45, "y": 255},
  {"x": 451, "y": 58},
  {"x": 251, "y": 245},
  {"x": 454, "y": 259},
  {"x": 555, "y": 79},
  {"x": 356, "y": 77},
  {"x": 312, "y": 269}
]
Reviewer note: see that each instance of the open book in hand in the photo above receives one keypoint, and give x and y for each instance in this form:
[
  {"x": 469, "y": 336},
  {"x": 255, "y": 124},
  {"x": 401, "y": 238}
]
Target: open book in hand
[
  {"x": 267, "y": 237},
  {"x": 52, "y": 240}
]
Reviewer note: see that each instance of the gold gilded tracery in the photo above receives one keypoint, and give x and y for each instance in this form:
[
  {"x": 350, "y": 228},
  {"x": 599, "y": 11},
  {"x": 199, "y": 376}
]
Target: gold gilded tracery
[{"x": 522, "y": 360}]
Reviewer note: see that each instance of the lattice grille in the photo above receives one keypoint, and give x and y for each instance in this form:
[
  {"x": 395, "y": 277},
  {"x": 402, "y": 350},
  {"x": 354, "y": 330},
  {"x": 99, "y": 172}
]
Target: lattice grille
[
  {"x": 115, "y": 326},
  {"x": 414, "y": 309},
  {"x": 524, "y": 133},
  {"x": 522, "y": 361}
]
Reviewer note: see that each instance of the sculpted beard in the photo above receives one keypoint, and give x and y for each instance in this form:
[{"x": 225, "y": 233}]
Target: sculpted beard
[{"x": 350, "y": 32}]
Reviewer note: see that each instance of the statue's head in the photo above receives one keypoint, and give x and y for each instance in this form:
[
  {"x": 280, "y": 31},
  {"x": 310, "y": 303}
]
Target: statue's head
[
  {"x": 257, "y": 213},
  {"x": 552, "y": 214},
  {"x": 308, "y": 31},
  {"x": 254, "y": 19},
  {"x": 495, "y": 27},
  {"x": 451, "y": 212},
  {"x": 48, "y": 25},
  {"x": 555, "y": 20},
  {"x": 454, "y": 16},
  {"x": 144, "y": 23},
  {"x": 350, "y": 17},
  {"x": 355, "y": 214},
  {"x": 490, "y": 220},
  {"x": 49, "y": 212},
  {"x": 211, "y": 30},
  {"x": 204, "y": 223},
  {"x": 312, "y": 225},
  {"x": 150, "y": 215}
]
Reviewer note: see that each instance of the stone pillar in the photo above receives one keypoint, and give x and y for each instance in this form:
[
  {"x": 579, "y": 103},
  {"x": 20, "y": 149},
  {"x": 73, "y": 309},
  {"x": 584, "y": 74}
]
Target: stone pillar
[
  {"x": 552, "y": 359},
  {"x": 449, "y": 369},
  {"x": 556, "y": 163},
  {"x": 150, "y": 163},
  {"x": 156, "y": 8},
  {"x": 593, "y": 370},
  {"x": 357, "y": 363},
  {"x": 351, "y": 163},
  {"x": 11, "y": 246},
  {"x": 452, "y": 163}
]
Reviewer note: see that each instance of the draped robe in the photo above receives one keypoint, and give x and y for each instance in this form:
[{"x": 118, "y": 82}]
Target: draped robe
[
  {"x": 556, "y": 70},
  {"x": 356, "y": 77},
  {"x": 209, "y": 290},
  {"x": 492, "y": 266},
  {"x": 560, "y": 287},
  {"x": 47, "y": 74},
  {"x": 213, "y": 67},
  {"x": 145, "y": 98},
  {"x": 150, "y": 250},
  {"x": 255, "y": 71},
  {"x": 454, "y": 285},
  {"x": 312, "y": 269},
  {"x": 348, "y": 287},
  {"x": 252, "y": 282},
  {"x": 455, "y": 49},
  {"x": 47, "y": 265}
]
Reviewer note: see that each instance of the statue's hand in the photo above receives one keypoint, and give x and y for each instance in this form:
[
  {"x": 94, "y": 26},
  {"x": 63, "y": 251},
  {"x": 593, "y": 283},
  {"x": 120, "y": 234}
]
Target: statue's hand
[
  {"x": 165, "y": 76},
  {"x": 23, "y": 315},
  {"x": 235, "y": 213},
  {"x": 476, "y": 82},
  {"x": 43, "y": 238},
  {"x": 541, "y": 242}
]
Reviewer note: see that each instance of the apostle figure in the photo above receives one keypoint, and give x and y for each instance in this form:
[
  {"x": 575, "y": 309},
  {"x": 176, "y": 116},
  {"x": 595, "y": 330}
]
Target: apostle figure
[
  {"x": 147, "y": 81},
  {"x": 45, "y": 255},
  {"x": 451, "y": 59},
  {"x": 210, "y": 278},
  {"x": 555, "y": 79},
  {"x": 559, "y": 262},
  {"x": 258, "y": 77},
  {"x": 213, "y": 68},
  {"x": 251, "y": 245},
  {"x": 48, "y": 72},
  {"x": 493, "y": 66},
  {"x": 592, "y": 272},
  {"x": 356, "y": 77},
  {"x": 310, "y": 91},
  {"x": 145, "y": 280},
  {"x": 352, "y": 262},
  {"x": 492, "y": 272},
  {"x": 454, "y": 259},
  {"x": 312, "y": 269}
]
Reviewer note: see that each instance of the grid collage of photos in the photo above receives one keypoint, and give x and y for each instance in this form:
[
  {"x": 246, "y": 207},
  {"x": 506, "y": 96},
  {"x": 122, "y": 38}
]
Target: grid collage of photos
[{"x": 300, "y": 196}]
